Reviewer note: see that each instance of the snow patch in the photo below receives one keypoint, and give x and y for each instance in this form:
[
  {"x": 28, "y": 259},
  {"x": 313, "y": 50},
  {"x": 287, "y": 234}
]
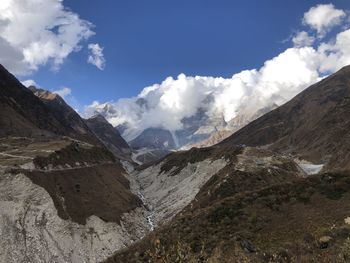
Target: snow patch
[{"x": 310, "y": 168}]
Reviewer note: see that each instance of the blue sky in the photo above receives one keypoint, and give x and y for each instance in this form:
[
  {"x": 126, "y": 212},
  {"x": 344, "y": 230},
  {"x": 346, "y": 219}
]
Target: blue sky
[{"x": 146, "y": 41}]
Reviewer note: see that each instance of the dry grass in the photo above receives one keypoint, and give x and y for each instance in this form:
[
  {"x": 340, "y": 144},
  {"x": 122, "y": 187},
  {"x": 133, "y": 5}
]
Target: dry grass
[{"x": 280, "y": 223}]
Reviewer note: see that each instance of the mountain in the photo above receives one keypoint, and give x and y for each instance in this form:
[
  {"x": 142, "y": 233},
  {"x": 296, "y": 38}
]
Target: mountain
[
  {"x": 69, "y": 118},
  {"x": 233, "y": 125},
  {"x": 43, "y": 114},
  {"x": 154, "y": 138},
  {"x": 94, "y": 130},
  {"x": 64, "y": 197},
  {"x": 212, "y": 140},
  {"x": 314, "y": 125},
  {"x": 240, "y": 197},
  {"x": 151, "y": 145},
  {"x": 22, "y": 113},
  {"x": 199, "y": 130},
  {"x": 109, "y": 136}
]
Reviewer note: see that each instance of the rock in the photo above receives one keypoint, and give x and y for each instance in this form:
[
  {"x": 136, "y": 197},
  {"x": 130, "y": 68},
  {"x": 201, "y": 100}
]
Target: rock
[
  {"x": 247, "y": 246},
  {"x": 347, "y": 220},
  {"x": 324, "y": 242}
]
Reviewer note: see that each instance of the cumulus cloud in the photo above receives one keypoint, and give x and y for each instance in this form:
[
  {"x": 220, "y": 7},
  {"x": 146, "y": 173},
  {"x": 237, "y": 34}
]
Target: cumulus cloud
[
  {"x": 323, "y": 17},
  {"x": 38, "y": 32},
  {"x": 335, "y": 54},
  {"x": 302, "y": 39},
  {"x": 167, "y": 104},
  {"x": 29, "y": 82},
  {"x": 63, "y": 92},
  {"x": 96, "y": 56}
]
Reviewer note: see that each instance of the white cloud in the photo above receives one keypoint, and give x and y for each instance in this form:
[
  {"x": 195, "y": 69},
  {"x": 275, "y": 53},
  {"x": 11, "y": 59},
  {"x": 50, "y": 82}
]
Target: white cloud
[
  {"x": 302, "y": 39},
  {"x": 63, "y": 92},
  {"x": 29, "y": 82},
  {"x": 323, "y": 17},
  {"x": 337, "y": 53},
  {"x": 96, "y": 56},
  {"x": 165, "y": 105},
  {"x": 37, "y": 32}
]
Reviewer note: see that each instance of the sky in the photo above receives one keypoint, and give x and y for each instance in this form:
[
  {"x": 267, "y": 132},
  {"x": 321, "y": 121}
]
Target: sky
[{"x": 118, "y": 51}]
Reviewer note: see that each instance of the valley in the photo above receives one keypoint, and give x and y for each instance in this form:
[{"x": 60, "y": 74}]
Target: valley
[
  {"x": 174, "y": 131},
  {"x": 277, "y": 190}
]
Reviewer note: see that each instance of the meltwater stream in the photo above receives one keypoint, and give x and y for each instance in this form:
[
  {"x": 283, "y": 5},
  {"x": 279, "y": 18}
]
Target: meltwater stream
[{"x": 149, "y": 218}]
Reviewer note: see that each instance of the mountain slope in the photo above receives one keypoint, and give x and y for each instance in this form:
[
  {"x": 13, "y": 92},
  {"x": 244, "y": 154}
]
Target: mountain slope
[
  {"x": 154, "y": 138},
  {"x": 151, "y": 145},
  {"x": 243, "y": 211},
  {"x": 252, "y": 226},
  {"x": 313, "y": 125},
  {"x": 109, "y": 136},
  {"x": 64, "y": 197},
  {"x": 74, "y": 125},
  {"x": 93, "y": 130},
  {"x": 22, "y": 113},
  {"x": 232, "y": 126}
]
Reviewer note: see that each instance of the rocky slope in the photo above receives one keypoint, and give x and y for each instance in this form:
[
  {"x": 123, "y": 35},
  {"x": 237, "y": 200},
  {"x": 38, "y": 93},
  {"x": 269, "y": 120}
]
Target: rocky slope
[
  {"x": 186, "y": 182},
  {"x": 109, "y": 136},
  {"x": 154, "y": 138},
  {"x": 151, "y": 145},
  {"x": 64, "y": 201},
  {"x": 232, "y": 126},
  {"x": 283, "y": 222}
]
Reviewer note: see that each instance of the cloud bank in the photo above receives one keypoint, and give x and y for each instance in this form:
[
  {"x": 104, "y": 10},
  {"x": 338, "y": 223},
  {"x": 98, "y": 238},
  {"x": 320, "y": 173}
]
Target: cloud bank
[
  {"x": 165, "y": 105},
  {"x": 39, "y": 32}
]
